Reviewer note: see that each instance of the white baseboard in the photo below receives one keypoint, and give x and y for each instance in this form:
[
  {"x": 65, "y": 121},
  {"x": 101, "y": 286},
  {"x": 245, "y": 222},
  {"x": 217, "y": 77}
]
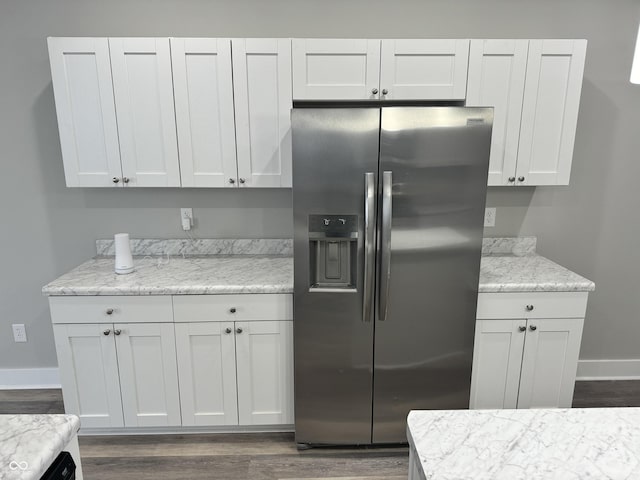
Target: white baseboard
[
  {"x": 25, "y": 378},
  {"x": 608, "y": 369}
]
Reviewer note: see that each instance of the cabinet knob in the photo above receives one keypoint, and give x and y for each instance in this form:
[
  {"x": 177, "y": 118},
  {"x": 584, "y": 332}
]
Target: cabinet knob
[
  {"x": 106, "y": 332},
  {"x": 529, "y": 308},
  {"x": 232, "y": 181},
  {"x": 109, "y": 311},
  {"x": 533, "y": 328},
  {"x": 521, "y": 179},
  {"x": 228, "y": 331},
  {"x": 242, "y": 180},
  {"x": 232, "y": 309},
  {"x": 512, "y": 179},
  {"x": 238, "y": 330},
  {"x": 374, "y": 91},
  {"x": 115, "y": 180},
  {"x": 117, "y": 331},
  {"x": 385, "y": 91},
  {"x": 522, "y": 328},
  {"x": 125, "y": 179}
]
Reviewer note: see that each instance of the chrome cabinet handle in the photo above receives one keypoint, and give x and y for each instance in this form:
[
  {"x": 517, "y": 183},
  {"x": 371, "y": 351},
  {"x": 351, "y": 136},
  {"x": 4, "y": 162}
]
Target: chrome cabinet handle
[
  {"x": 232, "y": 310},
  {"x": 529, "y": 308},
  {"x": 385, "y": 244},
  {"x": 521, "y": 179},
  {"x": 238, "y": 330},
  {"x": 242, "y": 180},
  {"x": 109, "y": 311},
  {"x": 522, "y": 328},
  {"x": 533, "y": 328},
  {"x": 512, "y": 179},
  {"x": 125, "y": 179},
  {"x": 117, "y": 331},
  {"x": 385, "y": 91},
  {"x": 115, "y": 180},
  {"x": 228, "y": 330},
  {"x": 369, "y": 242},
  {"x": 374, "y": 91},
  {"x": 106, "y": 332},
  {"x": 232, "y": 181}
]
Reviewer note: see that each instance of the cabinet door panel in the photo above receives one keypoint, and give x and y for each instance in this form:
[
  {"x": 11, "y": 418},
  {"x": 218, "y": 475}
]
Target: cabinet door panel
[
  {"x": 497, "y": 358},
  {"x": 264, "y": 355},
  {"x": 207, "y": 373},
  {"x": 148, "y": 374},
  {"x": 497, "y": 71},
  {"x": 424, "y": 69},
  {"x": 204, "y": 111},
  {"x": 143, "y": 89},
  {"x": 550, "y": 362},
  {"x": 263, "y": 101},
  {"x": 550, "y": 111},
  {"x": 335, "y": 69},
  {"x": 81, "y": 78},
  {"x": 89, "y": 374}
]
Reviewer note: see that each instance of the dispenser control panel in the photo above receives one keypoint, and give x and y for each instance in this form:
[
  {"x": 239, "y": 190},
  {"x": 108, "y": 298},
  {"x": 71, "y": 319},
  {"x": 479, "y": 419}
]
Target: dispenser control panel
[{"x": 333, "y": 226}]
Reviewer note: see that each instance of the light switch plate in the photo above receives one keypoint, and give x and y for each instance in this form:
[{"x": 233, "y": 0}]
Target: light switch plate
[{"x": 489, "y": 217}]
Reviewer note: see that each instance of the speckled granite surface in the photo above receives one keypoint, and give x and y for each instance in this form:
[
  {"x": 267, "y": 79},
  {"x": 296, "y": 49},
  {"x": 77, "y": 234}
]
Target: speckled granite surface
[
  {"x": 202, "y": 246},
  {"x": 29, "y": 443},
  {"x": 518, "y": 246},
  {"x": 536, "y": 444}
]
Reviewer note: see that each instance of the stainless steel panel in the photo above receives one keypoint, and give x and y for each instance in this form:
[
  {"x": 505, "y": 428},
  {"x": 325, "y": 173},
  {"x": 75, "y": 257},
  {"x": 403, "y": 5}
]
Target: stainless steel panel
[
  {"x": 332, "y": 150},
  {"x": 439, "y": 158},
  {"x": 369, "y": 245},
  {"x": 384, "y": 246}
]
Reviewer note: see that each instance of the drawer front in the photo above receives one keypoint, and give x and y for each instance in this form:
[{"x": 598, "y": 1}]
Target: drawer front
[
  {"x": 124, "y": 309},
  {"x": 225, "y": 308},
  {"x": 545, "y": 305}
]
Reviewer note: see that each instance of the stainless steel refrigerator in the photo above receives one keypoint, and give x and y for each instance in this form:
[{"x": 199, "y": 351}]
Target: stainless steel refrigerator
[{"x": 388, "y": 216}]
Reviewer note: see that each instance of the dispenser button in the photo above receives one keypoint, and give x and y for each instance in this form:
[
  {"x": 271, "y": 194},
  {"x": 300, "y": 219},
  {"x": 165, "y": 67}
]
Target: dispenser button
[
  {"x": 343, "y": 221},
  {"x": 327, "y": 221}
]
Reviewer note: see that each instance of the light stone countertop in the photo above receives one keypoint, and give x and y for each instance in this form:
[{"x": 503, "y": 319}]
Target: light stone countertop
[
  {"x": 30, "y": 443},
  {"x": 536, "y": 444}
]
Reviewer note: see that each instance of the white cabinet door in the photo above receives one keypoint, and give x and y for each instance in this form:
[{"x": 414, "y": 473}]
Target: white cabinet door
[
  {"x": 497, "y": 71},
  {"x": 264, "y": 356},
  {"x": 89, "y": 373},
  {"x": 497, "y": 357},
  {"x": 550, "y": 111},
  {"x": 143, "y": 88},
  {"x": 549, "y": 363},
  {"x": 263, "y": 101},
  {"x": 148, "y": 374},
  {"x": 81, "y": 78},
  {"x": 424, "y": 69},
  {"x": 203, "y": 90},
  {"x": 207, "y": 373},
  {"x": 336, "y": 69}
]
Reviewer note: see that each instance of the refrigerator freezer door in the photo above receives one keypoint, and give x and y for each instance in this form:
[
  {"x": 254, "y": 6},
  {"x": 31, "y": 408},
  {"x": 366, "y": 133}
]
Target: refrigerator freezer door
[
  {"x": 335, "y": 164},
  {"x": 438, "y": 158}
]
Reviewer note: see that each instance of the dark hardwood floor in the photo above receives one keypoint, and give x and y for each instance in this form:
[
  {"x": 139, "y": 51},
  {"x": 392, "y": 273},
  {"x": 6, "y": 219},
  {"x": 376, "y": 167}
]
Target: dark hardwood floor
[{"x": 270, "y": 456}]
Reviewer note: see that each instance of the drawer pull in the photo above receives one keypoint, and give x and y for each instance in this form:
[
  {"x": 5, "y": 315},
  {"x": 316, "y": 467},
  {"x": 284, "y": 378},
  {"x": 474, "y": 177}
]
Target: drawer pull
[
  {"x": 232, "y": 309},
  {"x": 533, "y": 328},
  {"x": 106, "y": 332},
  {"x": 529, "y": 308},
  {"x": 109, "y": 311}
]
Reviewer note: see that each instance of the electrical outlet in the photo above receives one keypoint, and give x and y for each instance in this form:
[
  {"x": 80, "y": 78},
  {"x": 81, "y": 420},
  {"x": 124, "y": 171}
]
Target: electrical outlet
[
  {"x": 489, "y": 217},
  {"x": 19, "y": 332},
  {"x": 186, "y": 218}
]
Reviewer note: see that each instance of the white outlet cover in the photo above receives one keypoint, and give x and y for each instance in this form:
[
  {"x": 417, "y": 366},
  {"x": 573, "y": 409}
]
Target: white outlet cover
[
  {"x": 19, "y": 332},
  {"x": 489, "y": 217}
]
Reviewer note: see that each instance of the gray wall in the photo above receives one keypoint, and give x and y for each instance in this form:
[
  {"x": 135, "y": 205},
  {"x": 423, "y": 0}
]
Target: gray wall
[{"x": 47, "y": 229}]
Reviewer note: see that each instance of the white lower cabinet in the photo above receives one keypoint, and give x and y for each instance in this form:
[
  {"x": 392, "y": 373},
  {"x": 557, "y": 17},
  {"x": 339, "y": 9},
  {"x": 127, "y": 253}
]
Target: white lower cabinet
[{"x": 524, "y": 360}]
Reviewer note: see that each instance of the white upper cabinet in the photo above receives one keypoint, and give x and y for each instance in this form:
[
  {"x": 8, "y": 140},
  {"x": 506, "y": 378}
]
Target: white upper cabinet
[
  {"x": 203, "y": 90},
  {"x": 497, "y": 71},
  {"x": 81, "y": 78},
  {"x": 424, "y": 69},
  {"x": 143, "y": 89},
  {"x": 263, "y": 101},
  {"x": 336, "y": 69},
  {"x": 550, "y": 111}
]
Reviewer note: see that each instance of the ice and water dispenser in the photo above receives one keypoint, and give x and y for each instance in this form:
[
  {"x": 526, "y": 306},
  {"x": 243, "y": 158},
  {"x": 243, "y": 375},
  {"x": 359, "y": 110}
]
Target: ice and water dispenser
[{"x": 333, "y": 248}]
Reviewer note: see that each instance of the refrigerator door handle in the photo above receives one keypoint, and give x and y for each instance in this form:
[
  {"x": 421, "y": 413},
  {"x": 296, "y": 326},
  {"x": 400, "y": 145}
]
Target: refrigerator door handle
[
  {"x": 385, "y": 240},
  {"x": 369, "y": 241}
]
